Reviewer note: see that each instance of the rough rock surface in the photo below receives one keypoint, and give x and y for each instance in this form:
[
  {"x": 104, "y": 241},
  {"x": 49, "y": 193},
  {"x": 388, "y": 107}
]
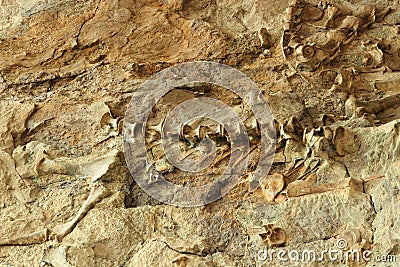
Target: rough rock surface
[{"x": 68, "y": 69}]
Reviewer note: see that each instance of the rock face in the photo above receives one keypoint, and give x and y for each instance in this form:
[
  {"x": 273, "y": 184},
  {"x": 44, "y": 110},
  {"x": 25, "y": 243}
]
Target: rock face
[{"x": 68, "y": 69}]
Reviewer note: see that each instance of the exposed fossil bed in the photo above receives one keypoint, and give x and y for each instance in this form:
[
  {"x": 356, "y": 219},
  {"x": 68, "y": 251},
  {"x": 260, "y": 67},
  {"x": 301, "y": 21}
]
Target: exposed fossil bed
[{"x": 68, "y": 69}]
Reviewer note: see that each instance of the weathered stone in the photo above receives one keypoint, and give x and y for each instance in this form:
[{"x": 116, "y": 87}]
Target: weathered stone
[{"x": 68, "y": 69}]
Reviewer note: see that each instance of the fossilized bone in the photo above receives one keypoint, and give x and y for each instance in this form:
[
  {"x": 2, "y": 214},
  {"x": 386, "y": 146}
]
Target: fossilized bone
[
  {"x": 29, "y": 239},
  {"x": 35, "y": 159},
  {"x": 274, "y": 236},
  {"x": 300, "y": 188},
  {"x": 332, "y": 13},
  {"x": 355, "y": 107},
  {"x": 317, "y": 35},
  {"x": 345, "y": 141},
  {"x": 55, "y": 256},
  {"x": 264, "y": 38},
  {"x": 272, "y": 186},
  {"x": 97, "y": 193}
]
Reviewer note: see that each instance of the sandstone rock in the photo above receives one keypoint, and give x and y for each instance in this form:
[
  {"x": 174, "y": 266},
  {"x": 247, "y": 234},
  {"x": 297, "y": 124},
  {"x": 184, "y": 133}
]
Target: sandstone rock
[{"x": 68, "y": 69}]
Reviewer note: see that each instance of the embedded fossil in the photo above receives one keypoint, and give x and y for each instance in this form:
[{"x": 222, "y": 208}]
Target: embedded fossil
[
  {"x": 264, "y": 38},
  {"x": 163, "y": 166},
  {"x": 344, "y": 80},
  {"x": 291, "y": 129},
  {"x": 35, "y": 159},
  {"x": 192, "y": 133},
  {"x": 301, "y": 188},
  {"x": 332, "y": 12},
  {"x": 272, "y": 185},
  {"x": 351, "y": 235},
  {"x": 315, "y": 142},
  {"x": 55, "y": 256},
  {"x": 199, "y": 129},
  {"x": 33, "y": 238},
  {"x": 316, "y": 36},
  {"x": 180, "y": 261},
  {"x": 385, "y": 109},
  {"x": 97, "y": 193},
  {"x": 311, "y": 13},
  {"x": 274, "y": 236},
  {"x": 344, "y": 141},
  {"x": 305, "y": 52},
  {"x": 290, "y": 15}
]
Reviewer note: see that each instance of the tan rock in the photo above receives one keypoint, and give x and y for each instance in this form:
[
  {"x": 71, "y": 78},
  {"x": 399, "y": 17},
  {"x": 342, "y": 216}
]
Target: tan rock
[{"x": 272, "y": 185}]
